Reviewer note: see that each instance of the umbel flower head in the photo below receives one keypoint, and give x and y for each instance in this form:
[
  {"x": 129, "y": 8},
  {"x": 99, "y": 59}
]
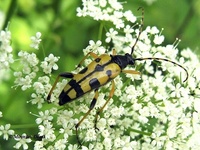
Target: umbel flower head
[{"x": 153, "y": 110}]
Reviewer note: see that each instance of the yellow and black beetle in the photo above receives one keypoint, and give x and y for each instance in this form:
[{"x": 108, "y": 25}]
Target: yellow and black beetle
[{"x": 100, "y": 71}]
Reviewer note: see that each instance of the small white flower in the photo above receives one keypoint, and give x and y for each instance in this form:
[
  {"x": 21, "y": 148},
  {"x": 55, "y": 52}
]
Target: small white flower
[
  {"x": 128, "y": 144},
  {"x": 28, "y": 59},
  {"x": 102, "y": 3},
  {"x": 128, "y": 30},
  {"x": 119, "y": 23},
  {"x": 94, "y": 47},
  {"x": 44, "y": 117},
  {"x": 115, "y": 4},
  {"x": 98, "y": 146},
  {"x": 111, "y": 122},
  {"x": 129, "y": 16},
  {"x": 185, "y": 127},
  {"x": 60, "y": 144},
  {"x": 131, "y": 92},
  {"x": 144, "y": 112},
  {"x": 84, "y": 148},
  {"x": 154, "y": 30},
  {"x": 72, "y": 147},
  {"x": 105, "y": 133},
  {"x": 36, "y": 40},
  {"x": 53, "y": 110},
  {"x": 49, "y": 63},
  {"x": 37, "y": 99},
  {"x": 90, "y": 135},
  {"x": 47, "y": 131},
  {"x": 1, "y": 114},
  {"x": 4, "y": 130},
  {"x": 172, "y": 129},
  {"x": 81, "y": 12},
  {"x": 158, "y": 140},
  {"x": 117, "y": 111},
  {"x": 118, "y": 142},
  {"x": 39, "y": 145},
  {"x": 5, "y": 37},
  {"x": 24, "y": 82},
  {"x": 23, "y": 140},
  {"x": 107, "y": 143},
  {"x": 111, "y": 35},
  {"x": 158, "y": 39},
  {"x": 101, "y": 124},
  {"x": 65, "y": 117},
  {"x": 176, "y": 90}
]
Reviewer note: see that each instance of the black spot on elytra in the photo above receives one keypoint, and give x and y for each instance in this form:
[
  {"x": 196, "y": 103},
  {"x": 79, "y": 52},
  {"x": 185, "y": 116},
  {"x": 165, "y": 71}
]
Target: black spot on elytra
[
  {"x": 94, "y": 83},
  {"x": 109, "y": 72},
  {"x": 84, "y": 70},
  {"x": 76, "y": 87},
  {"x": 99, "y": 68},
  {"x": 97, "y": 59},
  {"x": 64, "y": 98}
]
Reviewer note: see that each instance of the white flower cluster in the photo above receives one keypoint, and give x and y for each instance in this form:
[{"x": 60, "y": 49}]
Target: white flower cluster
[
  {"x": 36, "y": 40},
  {"x": 106, "y": 10},
  {"x": 26, "y": 77},
  {"x": 6, "y": 56},
  {"x": 29, "y": 69},
  {"x": 30, "y": 62}
]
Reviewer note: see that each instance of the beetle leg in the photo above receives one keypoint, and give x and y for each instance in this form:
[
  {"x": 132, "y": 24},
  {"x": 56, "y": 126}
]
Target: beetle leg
[
  {"x": 91, "y": 54},
  {"x": 64, "y": 75},
  {"x": 100, "y": 110},
  {"x": 88, "y": 112},
  {"x": 131, "y": 72}
]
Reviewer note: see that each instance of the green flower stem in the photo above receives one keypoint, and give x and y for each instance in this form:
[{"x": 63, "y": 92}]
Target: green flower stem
[
  {"x": 23, "y": 126},
  {"x": 100, "y": 31},
  {"x": 141, "y": 132},
  {"x": 10, "y": 12}
]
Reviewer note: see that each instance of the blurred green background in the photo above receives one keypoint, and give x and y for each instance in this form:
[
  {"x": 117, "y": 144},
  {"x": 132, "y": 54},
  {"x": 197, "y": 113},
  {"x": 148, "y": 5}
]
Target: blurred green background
[{"x": 65, "y": 35}]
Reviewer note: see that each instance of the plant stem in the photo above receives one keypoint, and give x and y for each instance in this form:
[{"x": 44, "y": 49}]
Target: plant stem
[{"x": 10, "y": 13}]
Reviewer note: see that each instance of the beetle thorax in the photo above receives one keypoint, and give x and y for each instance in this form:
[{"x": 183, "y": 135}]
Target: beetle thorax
[{"x": 123, "y": 60}]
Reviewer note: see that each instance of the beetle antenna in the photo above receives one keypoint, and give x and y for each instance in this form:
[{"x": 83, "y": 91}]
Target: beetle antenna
[
  {"x": 167, "y": 60},
  {"x": 141, "y": 26}
]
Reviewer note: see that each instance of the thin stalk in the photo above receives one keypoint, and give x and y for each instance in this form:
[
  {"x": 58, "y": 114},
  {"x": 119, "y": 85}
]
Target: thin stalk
[
  {"x": 10, "y": 12},
  {"x": 100, "y": 31}
]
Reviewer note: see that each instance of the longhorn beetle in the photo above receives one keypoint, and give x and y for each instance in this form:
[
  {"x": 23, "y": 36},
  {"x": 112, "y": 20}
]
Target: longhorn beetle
[{"x": 100, "y": 71}]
